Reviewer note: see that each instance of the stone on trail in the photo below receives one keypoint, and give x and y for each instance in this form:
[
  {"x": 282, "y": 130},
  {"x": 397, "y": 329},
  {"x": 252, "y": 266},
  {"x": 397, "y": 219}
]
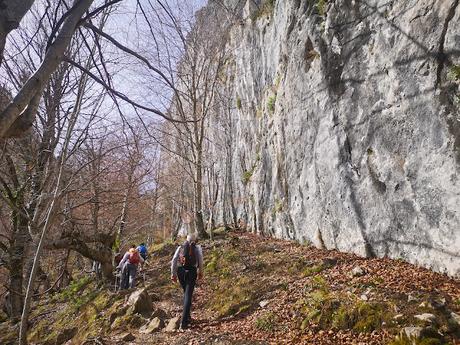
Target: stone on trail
[
  {"x": 140, "y": 302},
  {"x": 263, "y": 304},
  {"x": 358, "y": 271},
  {"x": 173, "y": 324},
  {"x": 154, "y": 326},
  {"x": 127, "y": 337},
  {"x": 412, "y": 332},
  {"x": 426, "y": 317}
]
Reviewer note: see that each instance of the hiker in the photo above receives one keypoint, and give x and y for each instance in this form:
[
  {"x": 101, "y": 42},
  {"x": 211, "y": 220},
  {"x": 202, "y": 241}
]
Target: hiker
[
  {"x": 128, "y": 266},
  {"x": 142, "y": 250},
  {"x": 187, "y": 265}
]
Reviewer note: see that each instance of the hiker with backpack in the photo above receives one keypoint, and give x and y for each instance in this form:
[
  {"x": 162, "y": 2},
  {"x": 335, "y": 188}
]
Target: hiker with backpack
[
  {"x": 142, "y": 250},
  {"x": 128, "y": 266},
  {"x": 187, "y": 266}
]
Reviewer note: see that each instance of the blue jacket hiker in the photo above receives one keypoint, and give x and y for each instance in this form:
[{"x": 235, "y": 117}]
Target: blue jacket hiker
[
  {"x": 142, "y": 250},
  {"x": 187, "y": 265}
]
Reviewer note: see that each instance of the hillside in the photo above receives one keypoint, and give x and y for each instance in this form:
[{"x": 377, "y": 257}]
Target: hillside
[{"x": 261, "y": 291}]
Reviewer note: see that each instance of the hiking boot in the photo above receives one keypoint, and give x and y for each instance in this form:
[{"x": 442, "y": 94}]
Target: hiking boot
[{"x": 182, "y": 328}]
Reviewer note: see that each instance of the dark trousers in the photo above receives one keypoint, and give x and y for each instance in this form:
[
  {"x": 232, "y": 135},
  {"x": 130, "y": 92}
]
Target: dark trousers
[
  {"x": 187, "y": 279},
  {"x": 128, "y": 276}
]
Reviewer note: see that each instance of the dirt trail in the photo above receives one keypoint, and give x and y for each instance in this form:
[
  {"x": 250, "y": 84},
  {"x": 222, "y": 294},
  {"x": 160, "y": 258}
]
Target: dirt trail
[{"x": 266, "y": 291}]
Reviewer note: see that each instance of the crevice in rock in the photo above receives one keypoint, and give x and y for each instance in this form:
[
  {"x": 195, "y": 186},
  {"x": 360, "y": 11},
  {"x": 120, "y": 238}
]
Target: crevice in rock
[
  {"x": 441, "y": 56},
  {"x": 380, "y": 186}
]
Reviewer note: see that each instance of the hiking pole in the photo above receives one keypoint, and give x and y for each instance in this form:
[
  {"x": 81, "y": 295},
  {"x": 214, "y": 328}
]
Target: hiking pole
[{"x": 117, "y": 283}]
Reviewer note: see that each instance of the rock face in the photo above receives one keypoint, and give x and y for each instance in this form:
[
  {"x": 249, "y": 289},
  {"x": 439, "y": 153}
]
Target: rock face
[{"x": 344, "y": 127}]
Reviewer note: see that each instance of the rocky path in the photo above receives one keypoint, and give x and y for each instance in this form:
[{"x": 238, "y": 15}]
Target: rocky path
[
  {"x": 265, "y": 291},
  {"x": 258, "y": 291}
]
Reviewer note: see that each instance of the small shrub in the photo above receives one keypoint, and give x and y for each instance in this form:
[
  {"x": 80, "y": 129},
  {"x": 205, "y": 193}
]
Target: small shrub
[
  {"x": 266, "y": 322},
  {"x": 265, "y": 9},
  {"x": 238, "y": 103},
  {"x": 321, "y": 7},
  {"x": 454, "y": 73},
  {"x": 271, "y": 103},
  {"x": 247, "y": 176}
]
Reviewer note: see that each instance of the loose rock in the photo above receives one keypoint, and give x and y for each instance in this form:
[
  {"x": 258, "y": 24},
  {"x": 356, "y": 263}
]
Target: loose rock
[
  {"x": 263, "y": 304},
  {"x": 154, "y": 326},
  {"x": 358, "y": 271},
  {"x": 412, "y": 332},
  {"x": 173, "y": 324},
  {"x": 426, "y": 317},
  {"x": 127, "y": 337}
]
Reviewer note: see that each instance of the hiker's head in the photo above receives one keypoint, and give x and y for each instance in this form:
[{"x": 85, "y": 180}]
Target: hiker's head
[
  {"x": 142, "y": 244},
  {"x": 191, "y": 237},
  {"x": 133, "y": 246}
]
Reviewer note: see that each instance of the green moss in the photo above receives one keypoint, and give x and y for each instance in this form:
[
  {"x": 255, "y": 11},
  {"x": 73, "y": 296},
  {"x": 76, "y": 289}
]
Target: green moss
[
  {"x": 369, "y": 317},
  {"x": 266, "y": 322},
  {"x": 309, "y": 271}
]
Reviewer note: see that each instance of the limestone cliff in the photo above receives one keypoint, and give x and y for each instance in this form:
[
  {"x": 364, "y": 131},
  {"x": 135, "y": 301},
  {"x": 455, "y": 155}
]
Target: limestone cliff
[{"x": 344, "y": 128}]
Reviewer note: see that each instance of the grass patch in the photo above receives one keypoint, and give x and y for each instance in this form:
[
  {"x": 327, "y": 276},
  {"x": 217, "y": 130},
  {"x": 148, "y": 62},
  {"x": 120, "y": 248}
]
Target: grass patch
[
  {"x": 233, "y": 293},
  {"x": 266, "y": 322},
  {"x": 328, "y": 310}
]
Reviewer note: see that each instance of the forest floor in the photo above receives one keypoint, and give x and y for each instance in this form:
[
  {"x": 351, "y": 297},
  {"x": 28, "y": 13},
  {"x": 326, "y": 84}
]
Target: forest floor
[{"x": 263, "y": 291}]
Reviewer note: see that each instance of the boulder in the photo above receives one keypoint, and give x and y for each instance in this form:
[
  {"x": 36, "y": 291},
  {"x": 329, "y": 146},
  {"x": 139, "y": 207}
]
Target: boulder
[
  {"x": 140, "y": 302},
  {"x": 159, "y": 313},
  {"x": 173, "y": 324},
  {"x": 154, "y": 326}
]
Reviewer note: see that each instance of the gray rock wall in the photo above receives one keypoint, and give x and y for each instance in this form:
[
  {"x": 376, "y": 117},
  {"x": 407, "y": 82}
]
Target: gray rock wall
[{"x": 345, "y": 126}]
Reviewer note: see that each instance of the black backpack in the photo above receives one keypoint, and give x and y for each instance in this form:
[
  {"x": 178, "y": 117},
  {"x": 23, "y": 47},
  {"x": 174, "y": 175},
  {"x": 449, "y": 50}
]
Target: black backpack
[{"x": 187, "y": 255}]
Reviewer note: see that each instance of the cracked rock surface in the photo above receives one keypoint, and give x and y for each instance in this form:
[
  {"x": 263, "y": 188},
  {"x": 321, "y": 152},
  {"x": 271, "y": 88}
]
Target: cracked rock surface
[{"x": 344, "y": 129}]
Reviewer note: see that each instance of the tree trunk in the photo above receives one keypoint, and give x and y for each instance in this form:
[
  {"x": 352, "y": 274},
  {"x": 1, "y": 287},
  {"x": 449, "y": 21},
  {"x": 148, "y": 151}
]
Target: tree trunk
[
  {"x": 32, "y": 89},
  {"x": 18, "y": 243},
  {"x": 12, "y": 12}
]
